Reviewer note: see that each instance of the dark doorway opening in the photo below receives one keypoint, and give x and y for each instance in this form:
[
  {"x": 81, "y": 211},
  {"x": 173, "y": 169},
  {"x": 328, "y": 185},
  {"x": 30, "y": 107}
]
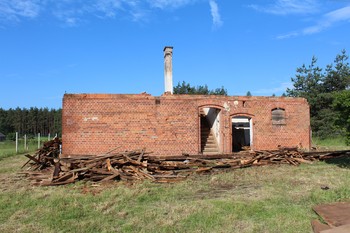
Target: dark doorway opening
[{"x": 242, "y": 133}]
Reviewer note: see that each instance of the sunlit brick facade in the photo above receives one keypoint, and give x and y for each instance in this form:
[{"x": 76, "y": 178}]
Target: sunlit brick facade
[{"x": 94, "y": 124}]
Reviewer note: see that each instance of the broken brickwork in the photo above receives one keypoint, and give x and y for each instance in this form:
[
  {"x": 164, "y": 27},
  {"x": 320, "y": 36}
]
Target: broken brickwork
[{"x": 170, "y": 124}]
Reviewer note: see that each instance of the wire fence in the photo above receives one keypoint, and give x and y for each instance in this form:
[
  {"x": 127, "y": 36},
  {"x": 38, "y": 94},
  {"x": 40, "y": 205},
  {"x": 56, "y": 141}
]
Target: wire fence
[{"x": 23, "y": 143}]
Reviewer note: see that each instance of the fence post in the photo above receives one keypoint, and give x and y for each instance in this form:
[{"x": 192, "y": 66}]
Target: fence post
[
  {"x": 25, "y": 142},
  {"x": 16, "y": 142},
  {"x": 38, "y": 140}
]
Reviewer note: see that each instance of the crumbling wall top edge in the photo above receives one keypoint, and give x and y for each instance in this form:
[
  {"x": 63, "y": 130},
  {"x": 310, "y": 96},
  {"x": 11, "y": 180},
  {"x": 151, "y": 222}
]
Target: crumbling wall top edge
[{"x": 184, "y": 97}]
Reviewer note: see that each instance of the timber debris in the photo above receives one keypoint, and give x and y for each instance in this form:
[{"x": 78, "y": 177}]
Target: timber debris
[
  {"x": 47, "y": 168},
  {"x": 46, "y": 156}
]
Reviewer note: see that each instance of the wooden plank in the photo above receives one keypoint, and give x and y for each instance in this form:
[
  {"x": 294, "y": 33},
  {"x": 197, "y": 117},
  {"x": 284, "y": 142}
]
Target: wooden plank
[
  {"x": 64, "y": 177},
  {"x": 111, "y": 177},
  {"x": 291, "y": 161},
  {"x": 203, "y": 169},
  {"x": 25, "y": 163},
  {"x": 101, "y": 171},
  {"x": 32, "y": 158},
  {"x": 140, "y": 156},
  {"x": 108, "y": 162},
  {"x": 146, "y": 175},
  {"x": 57, "y": 170},
  {"x": 84, "y": 168},
  {"x": 182, "y": 157},
  {"x": 301, "y": 160}
]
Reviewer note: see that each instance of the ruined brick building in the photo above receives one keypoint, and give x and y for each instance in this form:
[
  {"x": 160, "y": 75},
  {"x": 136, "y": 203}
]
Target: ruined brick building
[{"x": 181, "y": 124}]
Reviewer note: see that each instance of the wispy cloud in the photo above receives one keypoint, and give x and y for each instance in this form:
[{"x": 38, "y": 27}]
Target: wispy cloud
[
  {"x": 284, "y": 7},
  {"x": 16, "y": 9},
  {"x": 288, "y": 35},
  {"x": 74, "y": 12},
  {"x": 108, "y": 7},
  {"x": 163, "y": 4},
  {"x": 214, "y": 9},
  {"x": 326, "y": 21},
  {"x": 282, "y": 87}
]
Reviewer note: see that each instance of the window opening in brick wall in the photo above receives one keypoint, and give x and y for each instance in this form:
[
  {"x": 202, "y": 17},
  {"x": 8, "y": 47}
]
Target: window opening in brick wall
[
  {"x": 278, "y": 116},
  {"x": 157, "y": 100}
]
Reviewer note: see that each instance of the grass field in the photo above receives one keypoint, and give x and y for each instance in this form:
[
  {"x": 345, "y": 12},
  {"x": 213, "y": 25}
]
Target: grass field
[
  {"x": 257, "y": 199},
  {"x": 335, "y": 143},
  {"x": 8, "y": 148}
]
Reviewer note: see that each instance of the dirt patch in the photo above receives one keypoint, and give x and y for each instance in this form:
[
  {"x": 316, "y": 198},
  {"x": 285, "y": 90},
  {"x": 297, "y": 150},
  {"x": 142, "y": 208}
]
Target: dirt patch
[{"x": 10, "y": 182}]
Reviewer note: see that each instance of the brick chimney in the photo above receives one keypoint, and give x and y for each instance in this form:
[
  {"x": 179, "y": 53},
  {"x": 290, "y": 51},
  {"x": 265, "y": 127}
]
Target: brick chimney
[{"x": 168, "y": 69}]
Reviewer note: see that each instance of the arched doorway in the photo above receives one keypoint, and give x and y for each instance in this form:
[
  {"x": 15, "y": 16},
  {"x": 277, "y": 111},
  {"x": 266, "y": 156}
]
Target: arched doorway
[
  {"x": 210, "y": 130},
  {"x": 242, "y": 133}
]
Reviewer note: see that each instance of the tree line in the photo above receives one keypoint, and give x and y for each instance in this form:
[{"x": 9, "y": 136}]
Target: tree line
[
  {"x": 328, "y": 94},
  {"x": 30, "y": 121},
  {"x": 186, "y": 88}
]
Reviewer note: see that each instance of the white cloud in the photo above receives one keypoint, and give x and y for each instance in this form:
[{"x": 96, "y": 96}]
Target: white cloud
[
  {"x": 162, "y": 4},
  {"x": 282, "y": 87},
  {"x": 326, "y": 21},
  {"x": 70, "y": 21},
  {"x": 214, "y": 9},
  {"x": 287, "y": 36},
  {"x": 17, "y": 9},
  {"x": 74, "y": 12},
  {"x": 284, "y": 7},
  {"x": 108, "y": 7}
]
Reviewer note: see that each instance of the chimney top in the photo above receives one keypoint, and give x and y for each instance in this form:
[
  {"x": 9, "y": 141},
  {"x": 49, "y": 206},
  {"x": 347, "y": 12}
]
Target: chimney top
[{"x": 168, "y": 47}]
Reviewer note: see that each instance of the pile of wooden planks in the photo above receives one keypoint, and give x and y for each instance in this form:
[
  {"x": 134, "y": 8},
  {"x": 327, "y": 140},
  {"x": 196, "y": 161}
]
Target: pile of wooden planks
[
  {"x": 47, "y": 168},
  {"x": 126, "y": 166},
  {"x": 178, "y": 167},
  {"x": 45, "y": 156}
]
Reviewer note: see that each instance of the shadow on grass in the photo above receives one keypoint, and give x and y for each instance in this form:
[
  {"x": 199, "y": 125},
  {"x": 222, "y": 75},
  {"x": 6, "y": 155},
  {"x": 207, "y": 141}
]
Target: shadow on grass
[{"x": 343, "y": 161}]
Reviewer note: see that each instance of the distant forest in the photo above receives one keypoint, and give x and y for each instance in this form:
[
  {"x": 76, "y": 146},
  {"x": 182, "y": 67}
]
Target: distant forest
[{"x": 30, "y": 121}]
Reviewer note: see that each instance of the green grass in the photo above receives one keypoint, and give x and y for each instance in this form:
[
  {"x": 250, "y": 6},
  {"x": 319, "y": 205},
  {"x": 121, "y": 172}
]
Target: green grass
[
  {"x": 8, "y": 148},
  {"x": 335, "y": 143},
  {"x": 258, "y": 199}
]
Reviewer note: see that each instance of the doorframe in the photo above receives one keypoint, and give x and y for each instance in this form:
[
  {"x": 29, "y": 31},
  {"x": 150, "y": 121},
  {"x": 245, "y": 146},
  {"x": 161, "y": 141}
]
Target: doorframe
[
  {"x": 221, "y": 118},
  {"x": 251, "y": 129}
]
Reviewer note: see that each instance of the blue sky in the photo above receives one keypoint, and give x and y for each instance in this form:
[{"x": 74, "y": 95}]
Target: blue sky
[{"x": 49, "y": 47}]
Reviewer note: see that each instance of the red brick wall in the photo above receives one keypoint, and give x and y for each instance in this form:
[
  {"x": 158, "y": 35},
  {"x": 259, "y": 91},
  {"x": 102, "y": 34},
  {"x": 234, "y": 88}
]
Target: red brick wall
[{"x": 169, "y": 125}]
